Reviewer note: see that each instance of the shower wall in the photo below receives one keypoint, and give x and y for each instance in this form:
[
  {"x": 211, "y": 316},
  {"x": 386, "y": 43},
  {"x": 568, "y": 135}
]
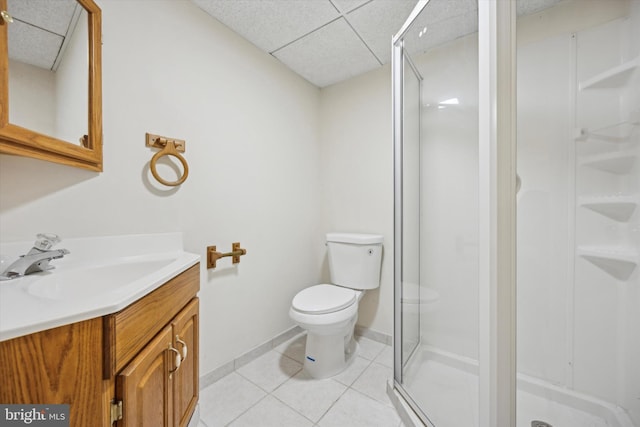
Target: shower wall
[
  {"x": 606, "y": 344},
  {"x": 544, "y": 206},
  {"x": 577, "y": 289}
]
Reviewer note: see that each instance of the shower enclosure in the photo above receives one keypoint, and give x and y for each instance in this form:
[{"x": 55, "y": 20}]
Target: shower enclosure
[{"x": 517, "y": 227}]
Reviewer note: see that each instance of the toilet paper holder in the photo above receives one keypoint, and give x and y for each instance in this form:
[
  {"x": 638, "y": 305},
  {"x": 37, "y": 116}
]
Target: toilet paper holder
[{"x": 213, "y": 255}]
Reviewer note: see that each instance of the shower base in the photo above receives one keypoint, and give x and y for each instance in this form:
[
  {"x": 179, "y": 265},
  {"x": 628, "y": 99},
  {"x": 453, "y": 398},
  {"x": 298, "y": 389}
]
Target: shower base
[{"x": 450, "y": 384}]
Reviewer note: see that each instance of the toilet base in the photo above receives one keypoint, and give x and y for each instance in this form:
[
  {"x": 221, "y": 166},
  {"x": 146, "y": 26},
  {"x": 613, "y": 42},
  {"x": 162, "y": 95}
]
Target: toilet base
[{"x": 328, "y": 355}]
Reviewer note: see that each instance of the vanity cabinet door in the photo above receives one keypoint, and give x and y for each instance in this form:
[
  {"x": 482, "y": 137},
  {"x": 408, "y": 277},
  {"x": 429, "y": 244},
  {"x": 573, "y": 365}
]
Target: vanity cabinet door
[
  {"x": 144, "y": 386},
  {"x": 159, "y": 387},
  {"x": 185, "y": 379}
]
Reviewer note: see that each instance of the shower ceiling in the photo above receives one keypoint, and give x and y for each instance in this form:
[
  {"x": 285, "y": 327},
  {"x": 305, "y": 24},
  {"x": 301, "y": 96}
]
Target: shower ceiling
[{"x": 324, "y": 41}]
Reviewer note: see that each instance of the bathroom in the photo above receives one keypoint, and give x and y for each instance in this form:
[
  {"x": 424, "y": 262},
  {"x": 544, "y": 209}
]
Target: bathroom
[{"x": 274, "y": 163}]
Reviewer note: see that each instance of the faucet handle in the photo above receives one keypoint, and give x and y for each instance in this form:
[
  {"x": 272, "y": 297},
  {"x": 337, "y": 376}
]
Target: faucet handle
[{"x": 46, "y": 241}]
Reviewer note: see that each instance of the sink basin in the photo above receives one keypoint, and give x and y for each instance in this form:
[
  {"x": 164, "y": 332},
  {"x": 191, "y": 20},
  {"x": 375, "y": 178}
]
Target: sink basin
[
  {"x": 93, "y": 281},
  {"x": 100, "y": 276}
]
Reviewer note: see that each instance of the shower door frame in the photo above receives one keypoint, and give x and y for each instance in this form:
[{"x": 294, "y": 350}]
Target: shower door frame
[{"x": 497, "y": 210}]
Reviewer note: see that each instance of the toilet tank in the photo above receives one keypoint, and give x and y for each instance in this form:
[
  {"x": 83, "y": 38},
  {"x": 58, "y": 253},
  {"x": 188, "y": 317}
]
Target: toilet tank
[{"x": 355, "y": 259}]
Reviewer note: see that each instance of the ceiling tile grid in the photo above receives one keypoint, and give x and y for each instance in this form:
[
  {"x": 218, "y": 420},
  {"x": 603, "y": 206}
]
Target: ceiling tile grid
[
  {"x": 328, "y": 55},
  {"x": 325, "y": 41},
  {"x": 44, "y": 14},
  {"x": 377, "y": 23},
  {"x": 271, "y": 24},
  {"x": 39, "y": 29},
  {"x": 32, "y": 45}
]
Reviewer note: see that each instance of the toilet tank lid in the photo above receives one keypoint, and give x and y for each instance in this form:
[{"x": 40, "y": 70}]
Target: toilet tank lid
[{"x": 355, "y": 238}]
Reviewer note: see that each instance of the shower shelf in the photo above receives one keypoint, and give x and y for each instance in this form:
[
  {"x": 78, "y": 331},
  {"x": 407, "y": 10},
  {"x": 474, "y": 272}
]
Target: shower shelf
[
  {"x": 618, "y": 262},
  {"x": 619, "y": 208},
  {"x": 617, "y": 132},
  {"x": 614, "y": 77},
  {"x": 619, "y": 162}
]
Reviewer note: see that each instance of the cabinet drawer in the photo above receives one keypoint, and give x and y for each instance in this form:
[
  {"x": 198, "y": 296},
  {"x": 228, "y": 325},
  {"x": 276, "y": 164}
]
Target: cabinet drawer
[{"x": 129, "y": 330}]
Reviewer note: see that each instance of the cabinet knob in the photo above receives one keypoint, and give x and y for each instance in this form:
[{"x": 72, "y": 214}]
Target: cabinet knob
[
  {"x": 178, "y": 360},
  {"x": 184, "y": 347}
]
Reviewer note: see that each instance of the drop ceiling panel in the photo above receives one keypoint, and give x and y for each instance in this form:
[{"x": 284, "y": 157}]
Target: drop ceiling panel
[
  {"x": 48, "y": 15},
  {"x": 271, "y": 24},
  {"x": 329, "y": 55},
  {"x": 378, "y": 21},
  {"x": 32, "y": 45}
]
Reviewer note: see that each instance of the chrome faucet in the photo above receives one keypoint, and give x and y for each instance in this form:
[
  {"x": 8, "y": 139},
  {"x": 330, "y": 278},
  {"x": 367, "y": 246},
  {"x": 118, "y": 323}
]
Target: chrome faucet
[{"x": 37, "y": 259}]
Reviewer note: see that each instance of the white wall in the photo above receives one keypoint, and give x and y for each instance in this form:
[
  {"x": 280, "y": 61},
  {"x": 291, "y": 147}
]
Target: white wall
[
  {"x": 32, "y": 97},
  {"x": 356, "y": 159},
  {"x": 251, "y": 128}
]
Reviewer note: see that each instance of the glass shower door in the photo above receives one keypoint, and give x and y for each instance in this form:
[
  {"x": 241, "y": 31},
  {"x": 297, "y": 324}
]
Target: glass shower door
[
  {"x": 411, "y": 212},
  {"x": 437, "y": 220}
]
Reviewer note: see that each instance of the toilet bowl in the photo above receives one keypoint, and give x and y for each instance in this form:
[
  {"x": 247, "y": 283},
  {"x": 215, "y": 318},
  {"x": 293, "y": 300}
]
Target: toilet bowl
[{"x": 328, "y": 312}]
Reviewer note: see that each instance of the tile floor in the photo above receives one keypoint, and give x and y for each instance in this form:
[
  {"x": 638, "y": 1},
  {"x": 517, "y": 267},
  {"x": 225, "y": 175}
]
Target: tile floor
[{"x": 274, "y": 391}]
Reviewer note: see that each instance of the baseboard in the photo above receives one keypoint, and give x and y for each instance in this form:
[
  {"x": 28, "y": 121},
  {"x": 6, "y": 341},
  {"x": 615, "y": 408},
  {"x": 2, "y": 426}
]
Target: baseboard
[
  {"x": 224, "y": 370},
  {"x": 380, "y": 337}
]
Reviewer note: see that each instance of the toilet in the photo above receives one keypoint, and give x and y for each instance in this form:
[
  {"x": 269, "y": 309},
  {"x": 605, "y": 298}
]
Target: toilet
[{"x": 328, "y": 312}]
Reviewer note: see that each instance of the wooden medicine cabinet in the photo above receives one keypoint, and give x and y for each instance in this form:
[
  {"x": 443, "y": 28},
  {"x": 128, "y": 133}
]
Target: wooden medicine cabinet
[{"x": 56, "y": 140}]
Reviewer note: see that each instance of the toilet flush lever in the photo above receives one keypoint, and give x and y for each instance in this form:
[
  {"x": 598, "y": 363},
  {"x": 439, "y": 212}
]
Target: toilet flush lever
[{"x": 213, "y": 256}]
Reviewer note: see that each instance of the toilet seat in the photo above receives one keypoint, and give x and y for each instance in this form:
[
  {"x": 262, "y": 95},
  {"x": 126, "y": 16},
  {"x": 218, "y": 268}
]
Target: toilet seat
[{"x": 323, "y": 299}]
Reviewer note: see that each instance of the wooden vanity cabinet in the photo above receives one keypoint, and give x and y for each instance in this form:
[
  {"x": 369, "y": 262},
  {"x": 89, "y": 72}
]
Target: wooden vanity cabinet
[
  {"x": 119, "y": 369},
  {"x": 151, "y": 357},
  {"x": 159, "y": 387}
]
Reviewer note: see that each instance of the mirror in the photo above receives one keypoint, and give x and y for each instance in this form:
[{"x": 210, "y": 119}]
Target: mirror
[
  {"x": 50, "y": 100},
  {"x": 47, "y": 67}
]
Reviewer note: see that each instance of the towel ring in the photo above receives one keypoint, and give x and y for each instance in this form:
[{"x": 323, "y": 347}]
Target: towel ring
[{"x": 169, "y": 150}]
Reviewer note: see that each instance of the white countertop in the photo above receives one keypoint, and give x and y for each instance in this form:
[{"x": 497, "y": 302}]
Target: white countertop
[{"x": 42, "y": 301}]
